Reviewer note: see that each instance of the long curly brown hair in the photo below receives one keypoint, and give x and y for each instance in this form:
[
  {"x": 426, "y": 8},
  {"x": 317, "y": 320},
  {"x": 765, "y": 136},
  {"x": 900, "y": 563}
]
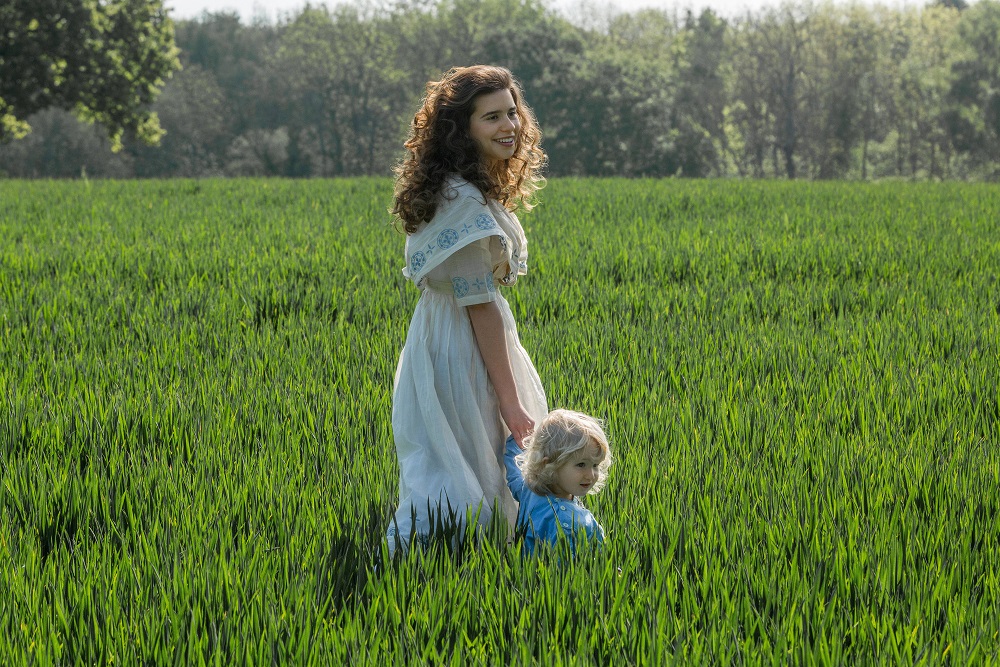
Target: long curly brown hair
[{"x": 439, "y": 144}]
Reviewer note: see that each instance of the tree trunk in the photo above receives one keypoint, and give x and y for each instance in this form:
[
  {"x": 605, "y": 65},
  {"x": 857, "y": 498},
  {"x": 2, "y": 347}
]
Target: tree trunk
[
  {"x": 899, "y": 153},
  {"x": 788, "y": 145},
  {"x": 789, "y": 154},
  {"x": 864, "y": 158}
]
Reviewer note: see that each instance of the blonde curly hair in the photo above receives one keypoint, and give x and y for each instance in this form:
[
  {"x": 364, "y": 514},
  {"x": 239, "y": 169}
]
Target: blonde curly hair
[
  {"x": 439, "y": 144},
  {"x": 557, "y": 437}
]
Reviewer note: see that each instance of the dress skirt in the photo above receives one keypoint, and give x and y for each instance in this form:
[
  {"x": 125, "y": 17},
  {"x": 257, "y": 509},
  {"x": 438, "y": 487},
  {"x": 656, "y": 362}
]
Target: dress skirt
[{"x": 446, "y": 420}]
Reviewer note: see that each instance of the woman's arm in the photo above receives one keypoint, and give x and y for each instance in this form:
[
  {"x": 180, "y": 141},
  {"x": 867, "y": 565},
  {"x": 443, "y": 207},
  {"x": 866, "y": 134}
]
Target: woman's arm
[{"x": 487, "y": 324}]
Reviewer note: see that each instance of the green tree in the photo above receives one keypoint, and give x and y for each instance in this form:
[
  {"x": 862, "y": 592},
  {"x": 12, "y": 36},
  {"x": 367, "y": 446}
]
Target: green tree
[
  {"x": 785, "y": 33},
  {"x": 194, "y": 113},
  {"x": 61, "y": 146},
  {"x": 767, "y": 105},
  {"x": 747, "y": 116},
  {"x": 877, "y": 87},
  {"x": 338, "y": 73},
  {"x": 765, "y": 116},
  {"x": 924, "y": 76},
  {"x": 105, "y": 60},
  {"x": 974, "y": 119},
  {"x": 841, "y": 58},
  {"x": 698, "y": 112},
  {"x": 607, "y": 110},
  {"x": 615, "y": 118},
  {"x": 237, "y": 57}
]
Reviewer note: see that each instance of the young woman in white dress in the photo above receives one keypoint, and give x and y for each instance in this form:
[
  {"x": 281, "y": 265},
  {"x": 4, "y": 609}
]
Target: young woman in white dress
[{"x": 463, "y": 382}]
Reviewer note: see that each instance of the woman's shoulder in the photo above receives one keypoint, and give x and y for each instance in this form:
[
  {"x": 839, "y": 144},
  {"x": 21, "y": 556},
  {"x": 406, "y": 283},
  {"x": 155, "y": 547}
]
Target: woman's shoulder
[
  {"x": 457, "y": 188},
  {"x": 460, "y": 200}
]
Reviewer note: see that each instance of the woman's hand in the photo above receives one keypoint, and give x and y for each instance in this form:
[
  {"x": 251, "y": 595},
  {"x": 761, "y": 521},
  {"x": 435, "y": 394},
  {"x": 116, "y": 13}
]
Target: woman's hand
[{"x": 518, "y": 421}]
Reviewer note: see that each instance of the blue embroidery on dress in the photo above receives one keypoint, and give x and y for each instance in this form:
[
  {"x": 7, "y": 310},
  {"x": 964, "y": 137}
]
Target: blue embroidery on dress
[
  {"x": 447, "y": 238},
  {"x": 489, "y": 283},
  {"x": 417, "y": 260},
  {"x": 479, "y": 284},
  {"x": 430, "y": 249},
  {"x": 460, "y": 287},
  {"x": 485, "y": 221},
  {"x": 466, "y": 228}
]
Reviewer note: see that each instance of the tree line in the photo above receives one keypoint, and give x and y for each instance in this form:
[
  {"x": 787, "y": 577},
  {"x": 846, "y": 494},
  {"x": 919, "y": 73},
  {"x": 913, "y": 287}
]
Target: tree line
[{"x": 798, "y": 91}]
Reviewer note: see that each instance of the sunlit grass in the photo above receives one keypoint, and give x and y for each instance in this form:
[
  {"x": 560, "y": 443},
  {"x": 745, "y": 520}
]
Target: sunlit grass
[{"x": 799, "y": 380}]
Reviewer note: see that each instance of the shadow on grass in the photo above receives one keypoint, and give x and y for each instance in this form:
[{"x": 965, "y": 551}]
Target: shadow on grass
[
  {"x": 353, "y": 557},
  {"x": 361, "y": 553}
]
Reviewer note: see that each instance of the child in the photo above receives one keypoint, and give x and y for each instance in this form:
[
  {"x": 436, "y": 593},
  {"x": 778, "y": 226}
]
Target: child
[
  {"x": 566, "y": 457},
  {"x": 463, "y": 382}
]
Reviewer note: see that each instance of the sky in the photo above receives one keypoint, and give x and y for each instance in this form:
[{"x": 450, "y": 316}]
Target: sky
[{"x": 186, "y": 9}]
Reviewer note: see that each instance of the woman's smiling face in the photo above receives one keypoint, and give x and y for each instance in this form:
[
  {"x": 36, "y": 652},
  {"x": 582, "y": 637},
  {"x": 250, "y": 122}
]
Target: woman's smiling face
[{"x": 494, "y": 125}]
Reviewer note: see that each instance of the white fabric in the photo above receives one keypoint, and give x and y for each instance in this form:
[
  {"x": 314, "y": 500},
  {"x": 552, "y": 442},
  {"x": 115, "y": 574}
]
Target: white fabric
[
  {"x": 464, "y": 216},
  {"x": 445, "y": 413}
]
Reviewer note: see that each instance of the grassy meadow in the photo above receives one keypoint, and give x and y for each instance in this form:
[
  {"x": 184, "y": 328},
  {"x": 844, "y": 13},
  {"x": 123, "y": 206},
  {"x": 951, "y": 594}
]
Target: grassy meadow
[{"x": 800, "y": 382}]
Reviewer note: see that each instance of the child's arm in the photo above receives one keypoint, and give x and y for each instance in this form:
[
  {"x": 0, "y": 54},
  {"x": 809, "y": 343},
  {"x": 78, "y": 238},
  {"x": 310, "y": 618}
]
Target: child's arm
[
  {"x": 515, "y": 479},
  {"x": 487, "y": 323}
]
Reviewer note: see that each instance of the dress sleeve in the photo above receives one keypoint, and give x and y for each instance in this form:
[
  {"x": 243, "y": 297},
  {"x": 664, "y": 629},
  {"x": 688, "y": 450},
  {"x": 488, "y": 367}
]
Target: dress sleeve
[{"x": 470, "y": 274}]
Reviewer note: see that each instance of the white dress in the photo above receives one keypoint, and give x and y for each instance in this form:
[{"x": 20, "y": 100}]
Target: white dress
[{"x": 445, "y": 413}]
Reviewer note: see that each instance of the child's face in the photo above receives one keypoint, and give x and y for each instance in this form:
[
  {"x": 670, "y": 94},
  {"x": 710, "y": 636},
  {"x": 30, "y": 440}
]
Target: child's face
[
  {"x": 494, "y": 125},
  {"x": 577, "y": 474}
]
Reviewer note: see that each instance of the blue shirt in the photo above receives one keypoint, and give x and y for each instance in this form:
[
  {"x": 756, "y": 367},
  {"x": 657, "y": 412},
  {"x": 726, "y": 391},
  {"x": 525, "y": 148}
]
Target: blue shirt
[{"x": 546, "y": 517}]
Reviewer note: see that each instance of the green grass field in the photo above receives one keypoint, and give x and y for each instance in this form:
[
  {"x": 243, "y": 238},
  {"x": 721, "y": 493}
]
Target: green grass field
[{"x": 799, "y": 380}]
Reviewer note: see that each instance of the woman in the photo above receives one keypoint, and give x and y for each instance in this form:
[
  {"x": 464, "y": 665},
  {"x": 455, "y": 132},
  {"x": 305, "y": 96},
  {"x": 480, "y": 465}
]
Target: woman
[{"x": 463, "y": 382}]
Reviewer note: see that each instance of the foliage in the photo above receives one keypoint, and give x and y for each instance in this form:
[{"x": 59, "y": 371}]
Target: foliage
[
  {"x": 844, "y": 55},
  {"x": 924, "y": 79},
  {"x": 799, "y": 380},
  {"x": 103, "y": 59},
  {"x": 339, "y": 76},
  {"x": 976, "y": 85},
  {"x": 698, "y": 119},
  {"x": 193, "y": 111},
  {"x": 827, "y": 91},
  {"x": 59, "y": 146}
]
